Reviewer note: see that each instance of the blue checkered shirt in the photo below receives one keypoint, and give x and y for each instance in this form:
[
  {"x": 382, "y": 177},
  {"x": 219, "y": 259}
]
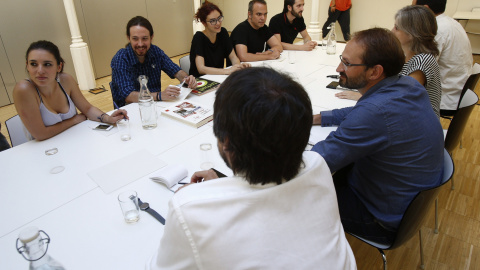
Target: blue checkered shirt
[{"x": 126, "y": 68}]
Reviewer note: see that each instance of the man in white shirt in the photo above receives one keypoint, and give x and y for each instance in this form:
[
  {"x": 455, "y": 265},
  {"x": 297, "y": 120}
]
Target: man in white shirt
[
  {"x": 279, "y": 210},
  {"x": 455, "y": 58}
]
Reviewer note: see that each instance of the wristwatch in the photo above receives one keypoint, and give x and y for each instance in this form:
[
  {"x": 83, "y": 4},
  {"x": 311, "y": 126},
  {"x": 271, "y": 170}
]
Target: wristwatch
[{"x": 144, "y": 206}]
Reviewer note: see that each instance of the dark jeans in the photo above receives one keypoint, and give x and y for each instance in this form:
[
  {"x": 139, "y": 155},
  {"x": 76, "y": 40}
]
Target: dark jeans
[
  {"x": 356, "y": 218},
  {"x": 343, "y": 18}
]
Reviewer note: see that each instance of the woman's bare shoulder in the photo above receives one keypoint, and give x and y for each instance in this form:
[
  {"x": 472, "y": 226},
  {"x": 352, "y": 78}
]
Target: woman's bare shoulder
[{"x": 23, "y": 87}]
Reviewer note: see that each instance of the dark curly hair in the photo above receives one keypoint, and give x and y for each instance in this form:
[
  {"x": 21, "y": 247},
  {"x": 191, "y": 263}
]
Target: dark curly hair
[{"x": 264, "y": 118}]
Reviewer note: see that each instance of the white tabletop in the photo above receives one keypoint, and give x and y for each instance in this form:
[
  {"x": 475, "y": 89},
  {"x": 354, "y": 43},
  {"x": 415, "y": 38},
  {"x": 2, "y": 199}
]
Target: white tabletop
[{"x": 80, "y": 217}]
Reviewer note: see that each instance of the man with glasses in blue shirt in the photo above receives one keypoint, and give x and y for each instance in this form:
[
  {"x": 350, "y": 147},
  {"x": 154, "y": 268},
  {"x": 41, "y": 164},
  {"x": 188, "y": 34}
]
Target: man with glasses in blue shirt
[
  {"x": 140, "y": 57},
  {"x": 389, "y": 146}
]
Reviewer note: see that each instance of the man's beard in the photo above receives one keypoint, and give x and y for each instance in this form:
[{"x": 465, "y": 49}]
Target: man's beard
[
  {"x": 353, "y": 83},
  {"x": 141, "y": 47},
  {"x": 297, "y": 15}
]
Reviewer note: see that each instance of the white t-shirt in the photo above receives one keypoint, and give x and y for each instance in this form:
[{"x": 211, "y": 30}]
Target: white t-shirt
[
  {"x": 455, "y": 60},
  {"x": 229, "y": 224}
]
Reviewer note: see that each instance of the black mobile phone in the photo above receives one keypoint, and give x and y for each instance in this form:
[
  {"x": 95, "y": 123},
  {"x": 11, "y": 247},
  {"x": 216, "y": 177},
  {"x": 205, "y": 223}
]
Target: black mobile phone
[
  {"x": 332, "y": 85},
  {"x": 220, "y": 175}
]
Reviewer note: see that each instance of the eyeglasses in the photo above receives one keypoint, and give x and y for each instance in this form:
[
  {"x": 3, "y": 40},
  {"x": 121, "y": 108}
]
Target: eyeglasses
[
  {"x": 346, "y": 64},
  {"x": 214, "y": 21}
]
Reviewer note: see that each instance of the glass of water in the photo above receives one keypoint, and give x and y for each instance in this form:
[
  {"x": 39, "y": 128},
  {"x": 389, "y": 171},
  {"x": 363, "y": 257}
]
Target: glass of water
[
  {"x": 128, "y": 201},
  {"x": 205, "y": 149},
  {"x": 123, "y": 126}
]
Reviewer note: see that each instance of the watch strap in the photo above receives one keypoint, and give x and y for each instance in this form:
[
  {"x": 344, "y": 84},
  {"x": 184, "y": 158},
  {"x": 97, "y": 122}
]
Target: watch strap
[
  {"x": 156, "y": 215},
  {"x": 153, "y": 213}
]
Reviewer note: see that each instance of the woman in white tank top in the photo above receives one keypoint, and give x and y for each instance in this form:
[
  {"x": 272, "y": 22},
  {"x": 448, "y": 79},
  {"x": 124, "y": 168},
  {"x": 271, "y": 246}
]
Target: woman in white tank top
[{"x": 48, "y": 101}]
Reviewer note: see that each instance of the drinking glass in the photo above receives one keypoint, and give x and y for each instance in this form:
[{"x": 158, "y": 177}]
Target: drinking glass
[
  {"x": 123, "y": 126},
  {"x": 128, "y": 201},
  {"x": 205, "y": 149}
]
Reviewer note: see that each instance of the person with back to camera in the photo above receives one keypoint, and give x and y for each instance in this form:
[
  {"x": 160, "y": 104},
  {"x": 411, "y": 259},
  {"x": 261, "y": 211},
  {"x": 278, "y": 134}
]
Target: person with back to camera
[
  {"x": 47, "y": 102},
  {"x": 455, "y": 58},
  {"x": 278, "y": 210},
  {"x": 211, "y": 47},
  {"x": 415, "y": 27}
]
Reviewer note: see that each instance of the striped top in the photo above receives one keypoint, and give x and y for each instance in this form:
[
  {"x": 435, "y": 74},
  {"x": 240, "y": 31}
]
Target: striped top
[{"x": 427, "y": 64}]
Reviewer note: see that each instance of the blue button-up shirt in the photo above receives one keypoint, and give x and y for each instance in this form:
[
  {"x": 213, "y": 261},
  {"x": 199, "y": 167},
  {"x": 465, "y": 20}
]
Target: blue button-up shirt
[
  {"x": 126, "y": 68},
  {"x": 396, "y": 144}
]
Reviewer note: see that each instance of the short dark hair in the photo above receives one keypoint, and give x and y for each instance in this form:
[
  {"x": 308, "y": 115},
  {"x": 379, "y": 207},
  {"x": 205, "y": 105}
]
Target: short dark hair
[
  {"x": 287, "y": 3},
  {"x": 420, "y": 23},
  {"x": 253, "y": 2},
  {"x": 381, "y": 48},
  {"x": 49, "y": 47},
  {"x": 140, "y": 21},
  {"x": 205, "y": 10},
  {"x": 266, "y": 118},
  {"x": 437, "y": 6}
]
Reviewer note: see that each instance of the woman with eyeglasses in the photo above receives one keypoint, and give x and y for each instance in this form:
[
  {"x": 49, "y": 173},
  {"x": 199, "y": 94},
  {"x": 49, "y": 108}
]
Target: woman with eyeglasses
[{"x": 212, "y": 46}]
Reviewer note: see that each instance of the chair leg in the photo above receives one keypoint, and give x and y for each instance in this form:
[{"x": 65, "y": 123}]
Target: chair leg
[
  {"x": 384, "y": 259},
  {"x": 422, "y": 262},
  {"x": 436, "y": 216},
  {"x": 451, "y": 180}
]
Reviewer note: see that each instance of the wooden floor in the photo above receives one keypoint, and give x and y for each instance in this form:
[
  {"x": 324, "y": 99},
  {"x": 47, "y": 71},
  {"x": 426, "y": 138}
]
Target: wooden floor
[{"x": 457, "y": 246}]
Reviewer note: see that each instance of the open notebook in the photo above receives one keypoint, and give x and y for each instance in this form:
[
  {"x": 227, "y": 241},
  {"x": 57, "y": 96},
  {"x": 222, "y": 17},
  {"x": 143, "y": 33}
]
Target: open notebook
[{"x": 172, "y": 176}]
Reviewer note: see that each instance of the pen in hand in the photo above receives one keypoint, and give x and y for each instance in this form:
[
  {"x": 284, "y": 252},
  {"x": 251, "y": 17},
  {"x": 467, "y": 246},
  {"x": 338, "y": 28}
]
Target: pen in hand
[
  {"x": 333, "y": 76},
  {"x": 184, "y": 84}
]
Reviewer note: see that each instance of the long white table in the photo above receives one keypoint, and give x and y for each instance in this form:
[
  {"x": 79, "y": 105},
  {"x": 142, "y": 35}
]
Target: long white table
[{"x": 85, "y": 223}]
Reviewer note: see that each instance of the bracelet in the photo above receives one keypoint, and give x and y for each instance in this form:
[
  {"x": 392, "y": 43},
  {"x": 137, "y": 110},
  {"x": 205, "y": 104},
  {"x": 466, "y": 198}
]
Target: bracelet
[
  {"x": 101, "y": 117},
  {"x": 159, "y": 96}
]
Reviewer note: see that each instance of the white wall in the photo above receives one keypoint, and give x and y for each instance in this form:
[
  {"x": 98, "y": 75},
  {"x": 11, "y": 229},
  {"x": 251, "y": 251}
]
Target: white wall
[{"x": 364, "y": 14}]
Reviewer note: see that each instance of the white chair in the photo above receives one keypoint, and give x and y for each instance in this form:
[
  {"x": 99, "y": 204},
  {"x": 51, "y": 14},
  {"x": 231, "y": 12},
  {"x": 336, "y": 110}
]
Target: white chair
[
  {"x": 17, "y": 131},
  {"x": 185, "y": 63}
]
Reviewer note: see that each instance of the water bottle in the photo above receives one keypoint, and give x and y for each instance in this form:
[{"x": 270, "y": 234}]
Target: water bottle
[
  {"x": 148, "y": 111},
  {"x": 34, "y": 249},
  {"x": 332, "y": 41}
]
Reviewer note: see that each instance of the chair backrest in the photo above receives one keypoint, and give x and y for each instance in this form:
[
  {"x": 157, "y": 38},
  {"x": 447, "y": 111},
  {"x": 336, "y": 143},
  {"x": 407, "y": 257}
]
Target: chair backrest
[
  {"x": 471, "y": 83},
  {"x": 417, "y": 210},
  {"x": 17, "y": 131},
  {"x": 185, "y": 63},
  {"x": 459, "y": 121}
]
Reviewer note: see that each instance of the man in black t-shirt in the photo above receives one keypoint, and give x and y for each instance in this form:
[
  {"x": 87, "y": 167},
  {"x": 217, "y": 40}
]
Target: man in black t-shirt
[
  {"x": 285, "y": 26},
  {"x": 252, "y": 39}
]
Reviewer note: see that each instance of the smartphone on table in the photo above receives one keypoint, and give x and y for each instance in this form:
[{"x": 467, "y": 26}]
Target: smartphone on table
[{"x": 104, "y": 127}]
